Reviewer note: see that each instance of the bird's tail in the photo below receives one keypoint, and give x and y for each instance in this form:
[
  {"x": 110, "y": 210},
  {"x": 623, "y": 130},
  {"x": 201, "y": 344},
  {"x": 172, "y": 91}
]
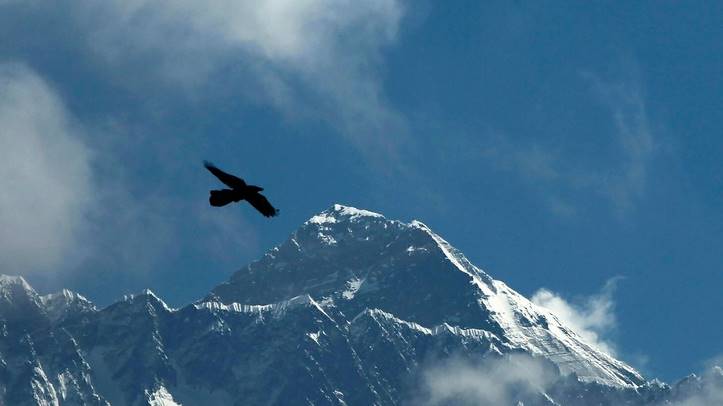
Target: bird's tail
[{"x": 220, "y": 198}]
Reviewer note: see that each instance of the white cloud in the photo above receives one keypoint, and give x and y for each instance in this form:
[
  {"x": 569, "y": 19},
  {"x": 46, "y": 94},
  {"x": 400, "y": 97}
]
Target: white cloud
[
  {"x": 45, "y": 174},
  {"x": 66, "y": 202},
  {"x": 593, "y": 318},
  {"x": 304, "y": 32},
  {"x": 317, "y": 58},
  {"x": 504, "y": 381}
]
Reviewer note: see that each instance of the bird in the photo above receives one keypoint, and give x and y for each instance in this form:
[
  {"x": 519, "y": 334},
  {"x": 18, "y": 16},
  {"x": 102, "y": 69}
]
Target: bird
[{"x": 239, "y": 191}]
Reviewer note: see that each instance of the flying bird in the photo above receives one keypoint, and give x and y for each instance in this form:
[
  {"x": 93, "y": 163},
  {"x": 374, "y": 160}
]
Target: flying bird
[{"x": 239, "y": 191}]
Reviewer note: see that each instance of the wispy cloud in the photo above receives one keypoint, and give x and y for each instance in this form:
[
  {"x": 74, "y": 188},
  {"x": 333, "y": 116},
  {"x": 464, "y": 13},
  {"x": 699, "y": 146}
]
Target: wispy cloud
[
  {"x": 45, "y": 175},
  {"x": 593, "y": 318},
  {"x": 308, "y": 58},
  {"x": 621, "y": 179},
  {"x": 530, "y": 161},
  {"x": 626, "y": 184}
]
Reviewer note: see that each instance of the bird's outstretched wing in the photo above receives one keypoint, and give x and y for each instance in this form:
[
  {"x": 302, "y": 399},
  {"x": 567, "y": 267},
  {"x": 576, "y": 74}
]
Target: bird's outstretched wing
[
  {"x": 228, "y": 179},
  {"x": 261, "y": 204}
]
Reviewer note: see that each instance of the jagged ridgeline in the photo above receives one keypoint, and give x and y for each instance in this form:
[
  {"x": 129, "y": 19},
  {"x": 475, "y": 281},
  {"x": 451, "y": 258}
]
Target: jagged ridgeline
[{"x": 349, "y": 310}]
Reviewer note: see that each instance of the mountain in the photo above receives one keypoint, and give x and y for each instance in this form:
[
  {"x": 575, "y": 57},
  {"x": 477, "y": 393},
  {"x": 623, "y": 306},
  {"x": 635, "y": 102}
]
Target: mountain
[
  {"x": 352, "y": 309},
  {"x": 356, "y": 260}
]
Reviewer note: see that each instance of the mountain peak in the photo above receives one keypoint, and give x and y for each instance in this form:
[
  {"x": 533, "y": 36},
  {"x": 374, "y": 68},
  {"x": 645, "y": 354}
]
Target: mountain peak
[
  {"x": 8, "y": 281},
  {"x": 66, "y": 295},
  {"x": 19, "y": 303},
  {"x": 146, "y": 296},
  {"x": 15, "y": 289},
  {"x": 66, "y": 303},
  {"x": 339, "y": 212}
]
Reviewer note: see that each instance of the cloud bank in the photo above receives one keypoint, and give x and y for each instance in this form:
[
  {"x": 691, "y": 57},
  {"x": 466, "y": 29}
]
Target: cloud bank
[{"x": 44, "y": 173}]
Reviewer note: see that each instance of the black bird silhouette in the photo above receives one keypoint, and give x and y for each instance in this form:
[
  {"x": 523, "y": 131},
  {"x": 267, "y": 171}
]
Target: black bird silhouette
[{"x": 239, "y": 191}]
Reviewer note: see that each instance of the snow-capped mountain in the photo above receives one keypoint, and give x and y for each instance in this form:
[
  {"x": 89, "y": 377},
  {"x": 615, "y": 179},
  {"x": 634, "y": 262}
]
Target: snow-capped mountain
[
  {"x": 355, "y": 260},
  {"x": 350, "y": 310}
]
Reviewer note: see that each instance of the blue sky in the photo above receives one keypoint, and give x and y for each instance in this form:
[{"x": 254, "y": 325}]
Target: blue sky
[{"x": 570, "y": 148}]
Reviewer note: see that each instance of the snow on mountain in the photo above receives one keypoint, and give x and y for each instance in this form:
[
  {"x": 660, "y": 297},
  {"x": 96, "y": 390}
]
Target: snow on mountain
[
  {"x": 9, "y": 281},
  {"x": 41, "y": 363},
  {"x": 349, "y": 310},
  {"x": 414, "y": 274},
  {"x": 65, "y": 304},
  {"x": 161, "y": 397},
  {"x": 15, "y": 291},
  {"x": 20, "y": 302}
]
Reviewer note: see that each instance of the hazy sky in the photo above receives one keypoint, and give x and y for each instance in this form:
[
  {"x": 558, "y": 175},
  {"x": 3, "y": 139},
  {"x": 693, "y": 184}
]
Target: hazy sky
[{"x": 573, "y": 152}]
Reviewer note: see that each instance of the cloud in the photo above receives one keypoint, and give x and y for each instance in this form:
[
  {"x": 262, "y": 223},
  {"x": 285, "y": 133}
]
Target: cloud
[
  {"x": 529, "y": 161},
  {"x": 308, "y": 58},
  {"x": 558, "y": 174},
  {"x": 303, "y": 32},
  {"x": 70, "y": 205},
  {"x": 515, "y": 379},
  {"x": 495, "y": 381},
  {"x": 45, "y": 174},
  {"x": 627, "y": 184},
  {"x": 62, "y": 203},
  {"x": 319, "y": 61},
  {"x": 704, "y": 390},
  {"x": 592, "y": 318}
]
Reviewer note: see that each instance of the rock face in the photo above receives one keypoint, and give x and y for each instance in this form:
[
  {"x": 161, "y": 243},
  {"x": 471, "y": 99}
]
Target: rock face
[{"x": 349, "y": 310}]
